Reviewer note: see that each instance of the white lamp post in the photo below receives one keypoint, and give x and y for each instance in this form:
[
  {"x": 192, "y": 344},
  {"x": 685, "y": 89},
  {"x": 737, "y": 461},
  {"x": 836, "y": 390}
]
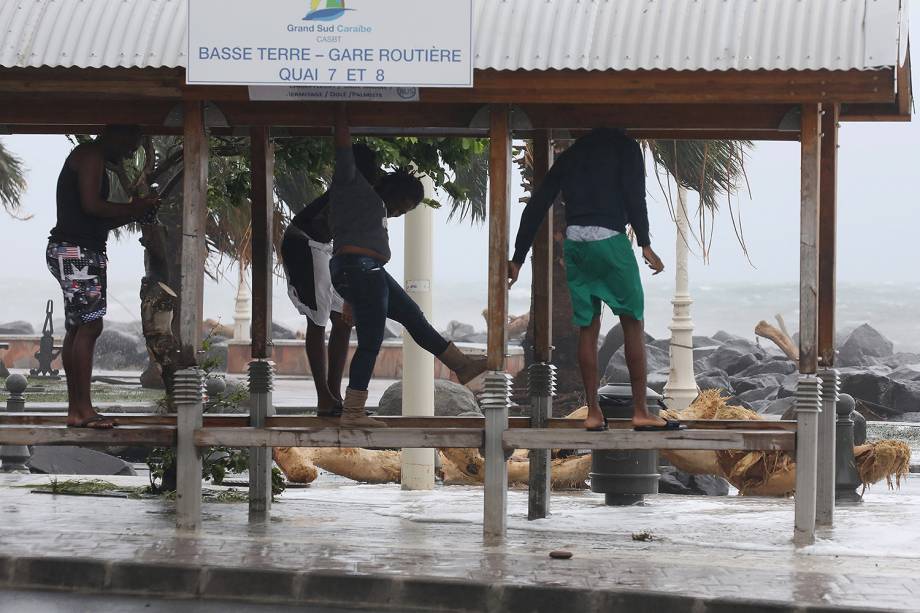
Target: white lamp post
[
  {"x": 681, "y": 389},
  {"x": 242, "y": 314}
]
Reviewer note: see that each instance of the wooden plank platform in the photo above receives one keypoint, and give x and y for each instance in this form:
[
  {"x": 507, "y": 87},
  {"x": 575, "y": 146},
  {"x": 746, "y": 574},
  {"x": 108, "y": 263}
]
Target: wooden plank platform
[
  {"x": 154, "y": 436},
  {"x": 294, "y": 421},
  {"x": 767, "y": 440},
  {"x": 340, "y": 437}
]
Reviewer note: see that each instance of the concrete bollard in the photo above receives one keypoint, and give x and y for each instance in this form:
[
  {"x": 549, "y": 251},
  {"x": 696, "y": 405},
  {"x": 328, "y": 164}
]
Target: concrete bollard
[
  {"x": 827, "y": 428},
  {"x": 16, "y": 385},
  {"x": 261, "y": 381},
  {"x": 847, "y": 480},
  {"x": 13, "y": 458},
  {"x": 807, "y": 410},
  {"x": 496, "y": 399},
  {"x": 541, "y": 380},
  {"x": 189, "y": 409}
]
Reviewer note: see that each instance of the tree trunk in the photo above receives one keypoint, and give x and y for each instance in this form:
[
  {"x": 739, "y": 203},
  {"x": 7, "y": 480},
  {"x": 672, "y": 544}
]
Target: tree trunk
[
  {"x": 569, "y": 389},
  {"x": 158, "y": 298}
]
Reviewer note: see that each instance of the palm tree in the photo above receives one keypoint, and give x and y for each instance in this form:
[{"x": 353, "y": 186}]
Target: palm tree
[{"x": 12, "y": 181}]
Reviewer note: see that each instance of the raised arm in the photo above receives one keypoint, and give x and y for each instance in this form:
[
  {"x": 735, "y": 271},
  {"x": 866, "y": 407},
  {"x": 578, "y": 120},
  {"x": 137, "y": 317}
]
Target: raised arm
[
  {"x": 633, "y": 180},
  {"x": 345, "y": 169},
  {"x": 536, "y": 209}
]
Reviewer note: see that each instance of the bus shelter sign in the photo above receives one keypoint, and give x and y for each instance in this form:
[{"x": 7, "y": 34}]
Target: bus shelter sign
[{"x": 351, "y": 43}]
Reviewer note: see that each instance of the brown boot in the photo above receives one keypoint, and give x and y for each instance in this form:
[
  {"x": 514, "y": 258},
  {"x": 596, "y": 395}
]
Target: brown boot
[
  {"x": 465, "y": 367},
  {"x": 353, "y": 413}
]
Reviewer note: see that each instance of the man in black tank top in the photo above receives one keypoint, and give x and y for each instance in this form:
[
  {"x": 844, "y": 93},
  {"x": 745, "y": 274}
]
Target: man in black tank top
[{"x": 76, "y": 256}]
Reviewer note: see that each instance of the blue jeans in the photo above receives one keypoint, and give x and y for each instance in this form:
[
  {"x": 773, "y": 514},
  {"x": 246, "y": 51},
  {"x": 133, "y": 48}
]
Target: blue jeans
[{"x": 374, "y": 297}]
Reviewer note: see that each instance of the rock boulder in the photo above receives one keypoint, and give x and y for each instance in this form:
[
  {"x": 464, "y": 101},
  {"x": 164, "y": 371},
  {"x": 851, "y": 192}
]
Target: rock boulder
[
  {"x": 616, "y": 372},
  {"x": 863, "y": 347},
  {"x": 673, "y": 481},
  {"x": 118, "y": 350},
  {"x": 13, "y": 328},
  {"x": 66, "y": 460},
  {"x": 714, "y": 379},
  {"x": 450, "y": 400}
]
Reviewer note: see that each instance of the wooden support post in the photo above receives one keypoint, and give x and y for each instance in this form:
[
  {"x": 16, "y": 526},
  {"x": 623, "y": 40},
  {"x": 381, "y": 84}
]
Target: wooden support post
[
  {"x": 260, "y": 458},
  {"x": 263, "y": 164},
  {"x": 194, "y": 222},
  {"x": 499, "y": 196},
  {"x": 496, "y": 398},
  {"x": 543, "y": 259},
  {"x": 808, "y": 397},
  {"x": 827, "y": 236},
  {"x": 542, "y": 374},
  {"x": 827, "y": 297},
  {"x": 189, "y": 409}
]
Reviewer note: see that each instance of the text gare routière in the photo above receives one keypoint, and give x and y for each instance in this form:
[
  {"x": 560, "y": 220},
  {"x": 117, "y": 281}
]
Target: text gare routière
[{"x": 297, "y": 60}]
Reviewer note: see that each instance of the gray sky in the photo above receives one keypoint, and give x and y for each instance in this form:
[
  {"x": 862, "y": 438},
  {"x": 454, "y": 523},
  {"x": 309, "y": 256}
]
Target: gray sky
[{"x": 878, "y": 234}]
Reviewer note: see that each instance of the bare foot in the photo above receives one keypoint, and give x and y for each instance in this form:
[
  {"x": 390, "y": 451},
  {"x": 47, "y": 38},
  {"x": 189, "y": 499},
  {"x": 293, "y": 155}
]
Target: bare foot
[
  {"x": 648, "y": 420},
  {"x": 595, "y": 419},
  {"x": 89, "y": 419}
]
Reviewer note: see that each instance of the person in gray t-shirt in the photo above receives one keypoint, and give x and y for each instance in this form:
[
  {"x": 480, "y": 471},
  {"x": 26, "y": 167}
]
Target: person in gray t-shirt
[{"x": 358, "y": 217}]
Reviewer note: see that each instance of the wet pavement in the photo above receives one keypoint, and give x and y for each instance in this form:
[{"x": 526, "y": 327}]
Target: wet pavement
[{"x": 725, "y": 552}]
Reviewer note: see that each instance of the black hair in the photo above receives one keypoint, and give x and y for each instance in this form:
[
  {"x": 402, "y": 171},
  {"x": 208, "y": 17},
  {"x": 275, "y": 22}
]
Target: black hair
[
  {"x": 398, "y": 186},
  {"x": 366, "y": 162}
]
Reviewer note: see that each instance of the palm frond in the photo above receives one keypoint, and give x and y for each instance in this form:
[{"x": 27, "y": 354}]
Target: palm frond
[
  {"x": 12, "y": 182},
  {"x": 710, "y": 168},
  {"x": 471, "y": 180}
]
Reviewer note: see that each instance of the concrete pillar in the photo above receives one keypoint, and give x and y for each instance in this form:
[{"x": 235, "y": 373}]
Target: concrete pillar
[
  {"x": 242, "y": 313},
  {"x": 417, "y": 465},
  {"x": 681, "y": 389}
]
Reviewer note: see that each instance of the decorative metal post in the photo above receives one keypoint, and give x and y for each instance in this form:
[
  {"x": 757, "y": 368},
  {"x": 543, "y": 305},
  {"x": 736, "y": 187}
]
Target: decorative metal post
[
  {"x": 827, "y": 435},
  {"x": 13, "y": 458},
  {"x": 47, "y": 352},
  {"x": 496, "y": 399},
  {"x": 807, "y": 408},
  {"x": 847, "y": 481},
  {"x": 541, "y": 378},
  {"x": 260, "y": 458},
  {"x": 189, "y": 418}
]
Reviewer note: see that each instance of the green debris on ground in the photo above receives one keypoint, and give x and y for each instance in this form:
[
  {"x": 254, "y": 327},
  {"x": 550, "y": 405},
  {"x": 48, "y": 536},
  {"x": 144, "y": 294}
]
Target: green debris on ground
[
  {"x": 99, "y": 487},
  {"x": 85, "y": 487}
]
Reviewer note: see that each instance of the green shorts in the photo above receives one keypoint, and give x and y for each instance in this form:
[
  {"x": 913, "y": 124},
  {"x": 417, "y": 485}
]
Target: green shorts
[{"x": 603, "y": 271}]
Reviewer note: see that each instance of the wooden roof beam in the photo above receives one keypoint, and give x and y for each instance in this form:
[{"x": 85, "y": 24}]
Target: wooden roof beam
[{"x": 509, "y": 87}]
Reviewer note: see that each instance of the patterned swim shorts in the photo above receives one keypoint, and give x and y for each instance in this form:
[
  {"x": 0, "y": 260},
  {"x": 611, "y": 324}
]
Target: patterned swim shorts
[{"x": 81, "y": 273}]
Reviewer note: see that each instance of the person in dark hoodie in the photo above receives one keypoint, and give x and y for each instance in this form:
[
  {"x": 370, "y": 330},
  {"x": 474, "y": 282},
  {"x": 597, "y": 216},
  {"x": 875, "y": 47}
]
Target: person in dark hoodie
[
  {"x": 358, "y": 214},
  {"x": 76, "y": 256},
  {"x": 602, "y": 181}
]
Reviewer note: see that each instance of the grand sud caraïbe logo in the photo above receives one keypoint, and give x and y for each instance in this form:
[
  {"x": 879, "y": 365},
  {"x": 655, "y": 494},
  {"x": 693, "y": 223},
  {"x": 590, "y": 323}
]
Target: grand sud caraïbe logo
[{"x": 326, "y": 10}]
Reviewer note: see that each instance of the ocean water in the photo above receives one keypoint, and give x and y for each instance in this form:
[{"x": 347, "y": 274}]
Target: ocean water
[{"x": 733, "y": 307}]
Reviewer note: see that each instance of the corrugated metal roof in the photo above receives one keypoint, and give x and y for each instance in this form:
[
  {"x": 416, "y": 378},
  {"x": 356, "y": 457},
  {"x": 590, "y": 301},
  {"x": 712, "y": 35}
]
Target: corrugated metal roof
[
  {"x": 93, "y": 33},
  {"x": 515, "y": 34}
]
